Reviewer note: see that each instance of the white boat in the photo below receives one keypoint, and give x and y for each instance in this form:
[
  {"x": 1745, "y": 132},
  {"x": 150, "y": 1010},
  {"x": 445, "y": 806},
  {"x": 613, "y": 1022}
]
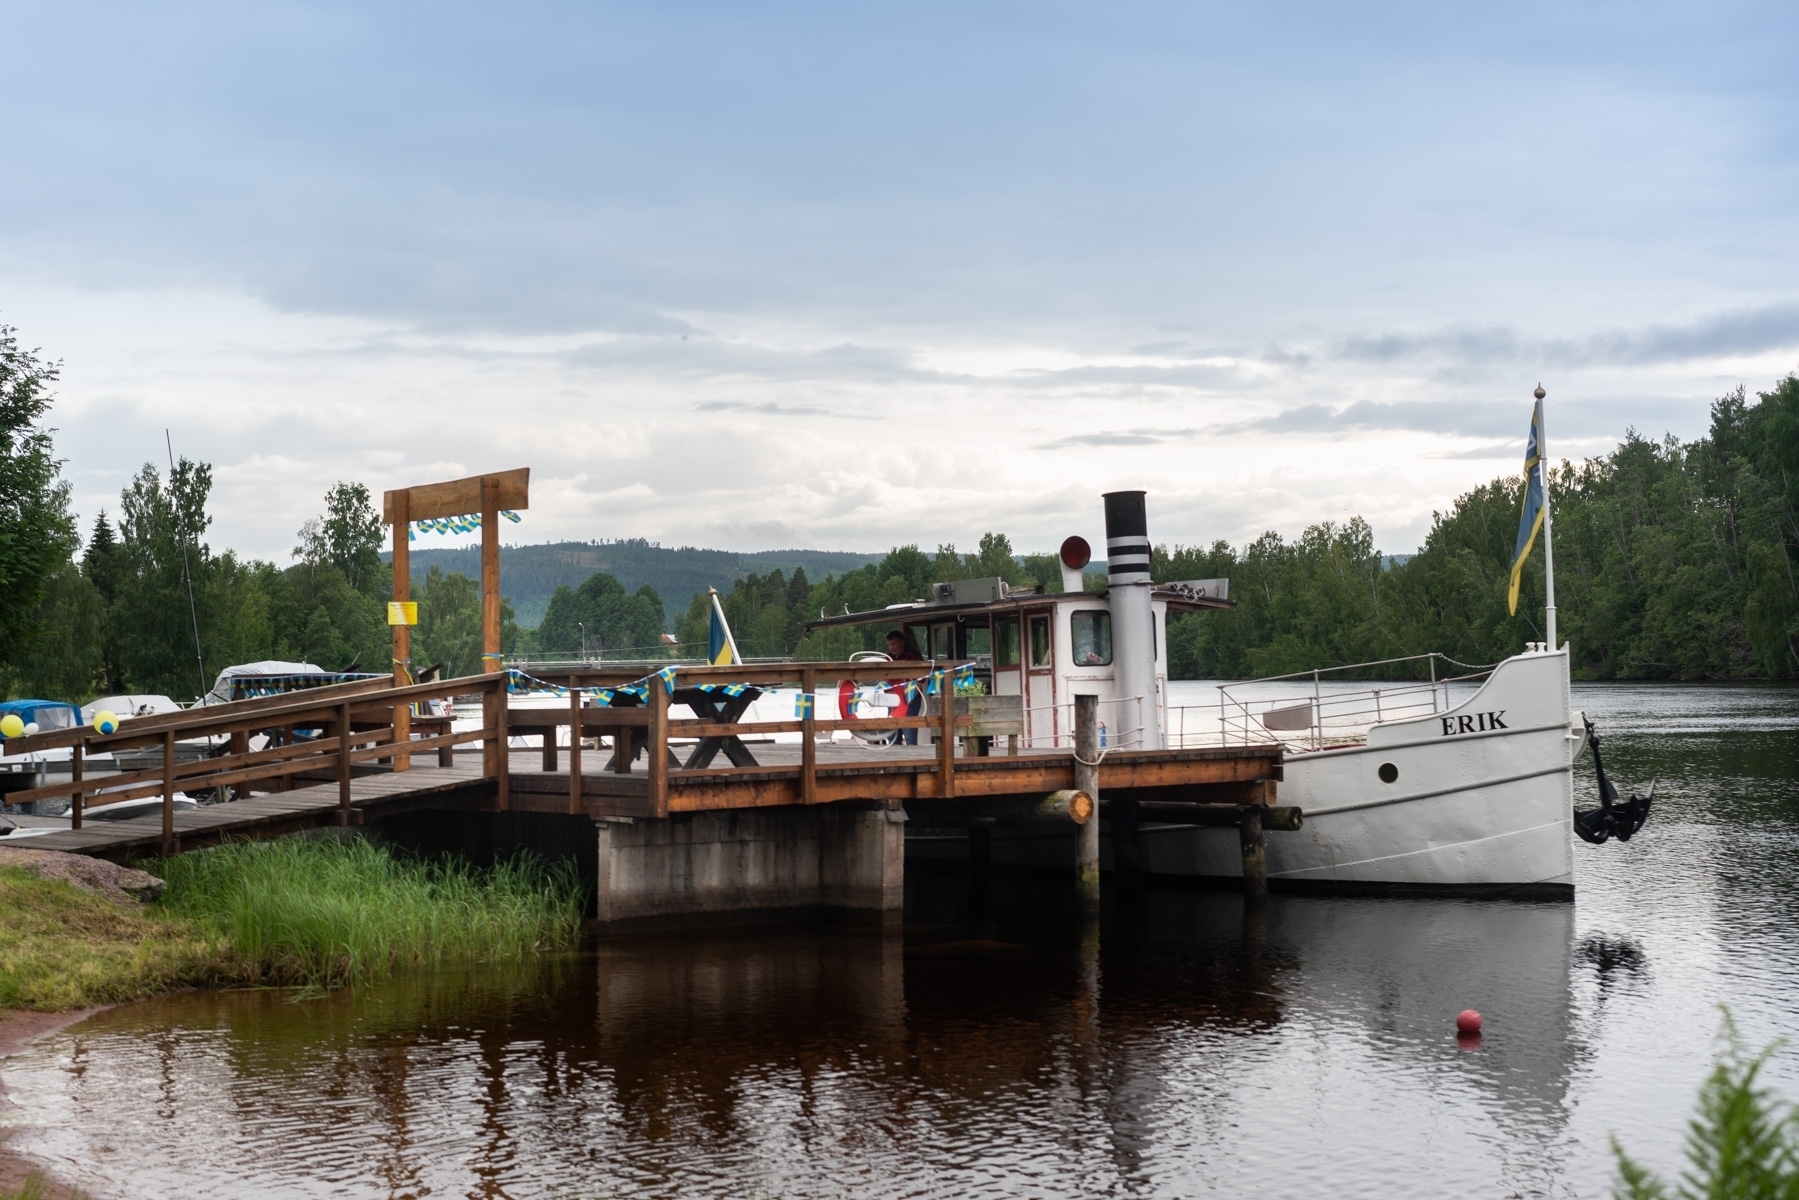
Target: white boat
[
  {"x": 1436, "y": 784},
  {"x": 1408, "y": 785}
]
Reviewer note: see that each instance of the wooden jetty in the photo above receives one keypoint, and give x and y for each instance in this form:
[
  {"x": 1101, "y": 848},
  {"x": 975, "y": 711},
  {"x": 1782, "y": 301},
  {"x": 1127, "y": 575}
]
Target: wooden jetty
[
  {"x": 614, "y": 776},
  {"x": 329, "y": 756}
]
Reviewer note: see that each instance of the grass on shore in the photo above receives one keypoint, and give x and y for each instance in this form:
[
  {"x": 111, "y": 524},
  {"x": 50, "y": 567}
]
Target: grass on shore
[
  {"x": 62, "y": 947},
  {"x": 292, "y": 912},
  {"x": 319, "y": 912}
]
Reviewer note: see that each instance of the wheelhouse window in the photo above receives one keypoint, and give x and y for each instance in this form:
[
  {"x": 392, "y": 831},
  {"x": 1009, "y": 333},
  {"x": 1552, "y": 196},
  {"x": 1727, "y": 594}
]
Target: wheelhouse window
[
  {"x": 943, "y": 641},
  {"x": 1005, "y": 642},
  {"x": 1040, "y": 641},
  {"x": 1090, "y": 637},
  {"x": 979, "y": 640}
]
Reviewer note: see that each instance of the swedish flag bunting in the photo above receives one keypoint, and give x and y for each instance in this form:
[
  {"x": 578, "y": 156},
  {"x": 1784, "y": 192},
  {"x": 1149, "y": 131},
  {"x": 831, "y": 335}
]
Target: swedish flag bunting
[
  {"x": 1531, "y": 520},
  {"x": 802, "y": 705}
]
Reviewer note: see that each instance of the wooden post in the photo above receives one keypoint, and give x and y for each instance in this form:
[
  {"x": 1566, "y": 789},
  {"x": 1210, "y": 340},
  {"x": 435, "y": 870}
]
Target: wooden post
[
  {"x": 490, "y": 573},
  {"x": 278, "y": 783},
  {"x": 657, "y": 747},
  {"x": 168, "y": 793},
  {"x": 240, "y": 744},
  {"x": 343, "y": 765},
  {"x": 809, "y": 738},
  {"x": 496, "y": 756},
  {"x": 490, "y": 724},
  {"x": 1255, "y": 853},
  {"x": 576, "y": 803},
  {"x": 75, "y": 776},
  {"x": 549, "y": 748},
  {"x": 1086, "y": 779},
  {"x": 946, "y": 739},
  {"x": 402, "y": 717},
  {"x": 622, "y": 758}
]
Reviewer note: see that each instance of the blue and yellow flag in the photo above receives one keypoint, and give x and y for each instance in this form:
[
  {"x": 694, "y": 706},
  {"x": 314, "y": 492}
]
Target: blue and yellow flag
[
  {"x": 721, "y": 647},
  {"x": 1532, "y": 518}
]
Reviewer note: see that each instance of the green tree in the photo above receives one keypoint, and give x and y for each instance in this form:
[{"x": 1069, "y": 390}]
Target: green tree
[
  {"x": 605, "y": 619},
  {"x": 64, "y": 661},
  {"x": 331, "y": 608},
  {"x": 348, "y": 537},
  {"x": 37, "y": 532},
  {"x": 449, "y": 628},
  {"x": 161, "y": 525},
  {"x": 102, "y": 565}
]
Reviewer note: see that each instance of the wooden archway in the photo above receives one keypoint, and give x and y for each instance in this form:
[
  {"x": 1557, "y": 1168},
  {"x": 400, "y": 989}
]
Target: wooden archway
[{"x": 483, "y": 495}]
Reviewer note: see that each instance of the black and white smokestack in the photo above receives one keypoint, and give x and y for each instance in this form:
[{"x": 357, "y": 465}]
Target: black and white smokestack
[
  {"x": 1127, "y": 538},
  {"x": 1133, "y": 622}
]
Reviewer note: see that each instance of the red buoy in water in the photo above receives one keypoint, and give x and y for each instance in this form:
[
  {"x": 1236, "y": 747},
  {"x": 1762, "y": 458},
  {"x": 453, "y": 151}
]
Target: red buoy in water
[{"x": 1467, "y": 1021}]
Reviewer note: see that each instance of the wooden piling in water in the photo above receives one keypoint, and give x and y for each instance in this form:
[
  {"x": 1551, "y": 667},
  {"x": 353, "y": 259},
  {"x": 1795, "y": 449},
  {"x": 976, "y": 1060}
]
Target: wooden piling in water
[
  {"x": 1086, "y": 779},
  {"x": 1255, "y": 853}
]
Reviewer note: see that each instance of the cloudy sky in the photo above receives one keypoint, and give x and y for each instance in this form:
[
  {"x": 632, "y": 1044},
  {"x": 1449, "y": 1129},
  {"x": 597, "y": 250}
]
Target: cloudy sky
[{"x": 768, "y": 275}]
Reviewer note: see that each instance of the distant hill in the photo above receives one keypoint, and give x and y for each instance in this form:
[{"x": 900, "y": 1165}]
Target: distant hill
[{"x": 529, "y": 575}]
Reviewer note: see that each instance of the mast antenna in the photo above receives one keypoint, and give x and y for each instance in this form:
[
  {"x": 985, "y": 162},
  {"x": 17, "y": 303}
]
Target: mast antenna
[{"x": 187, "y": 574}]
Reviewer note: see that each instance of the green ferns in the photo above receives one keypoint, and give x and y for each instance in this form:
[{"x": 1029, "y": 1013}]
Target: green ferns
[
  {"x": 322, "y": 912},
  {"x": 1742, "y": 1145}
]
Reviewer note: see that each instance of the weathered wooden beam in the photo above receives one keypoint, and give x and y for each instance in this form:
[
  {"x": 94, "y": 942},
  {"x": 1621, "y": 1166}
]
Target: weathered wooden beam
[
  {"x": 402, "y": 633},
  {"x": 1068, "y": 806},
  {"x": 490, "y": 573},
  {"x": 458, "y": 497}
]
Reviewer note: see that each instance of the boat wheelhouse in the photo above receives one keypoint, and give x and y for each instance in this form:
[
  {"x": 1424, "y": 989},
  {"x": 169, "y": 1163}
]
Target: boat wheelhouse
[{"x": 1045, "y": 648}]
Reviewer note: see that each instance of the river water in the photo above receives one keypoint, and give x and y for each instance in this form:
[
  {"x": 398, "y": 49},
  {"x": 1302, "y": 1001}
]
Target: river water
[{"x": 993, "y": 1050}]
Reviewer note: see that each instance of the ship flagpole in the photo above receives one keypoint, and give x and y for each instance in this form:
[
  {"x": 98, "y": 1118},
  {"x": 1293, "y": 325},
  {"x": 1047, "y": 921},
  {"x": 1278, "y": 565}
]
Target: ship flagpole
[{"x": 1548, "y": 522}]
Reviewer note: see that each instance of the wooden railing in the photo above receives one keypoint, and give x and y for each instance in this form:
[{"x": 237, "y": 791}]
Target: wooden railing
[
  {"x": 653, "y": 718},
  {"x": 355, "y": 721}
]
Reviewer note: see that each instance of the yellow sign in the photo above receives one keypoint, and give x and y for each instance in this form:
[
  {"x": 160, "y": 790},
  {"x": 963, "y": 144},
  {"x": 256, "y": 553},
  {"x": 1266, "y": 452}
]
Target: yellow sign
[{"x": 402, "y": 612}]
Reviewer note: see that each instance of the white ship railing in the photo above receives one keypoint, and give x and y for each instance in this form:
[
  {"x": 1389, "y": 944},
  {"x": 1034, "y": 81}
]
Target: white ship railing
[
  {"x": 1305, "y": 710},
  {"x": 1310, "y": 710}
]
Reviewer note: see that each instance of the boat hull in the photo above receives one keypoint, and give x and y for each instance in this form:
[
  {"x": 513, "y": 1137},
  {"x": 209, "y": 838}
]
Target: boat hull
[{"x": 1477, "y": 798}]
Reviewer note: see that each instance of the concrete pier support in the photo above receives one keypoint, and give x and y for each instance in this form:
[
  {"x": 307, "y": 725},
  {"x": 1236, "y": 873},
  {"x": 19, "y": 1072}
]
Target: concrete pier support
[{"x": 840, "y": 859}]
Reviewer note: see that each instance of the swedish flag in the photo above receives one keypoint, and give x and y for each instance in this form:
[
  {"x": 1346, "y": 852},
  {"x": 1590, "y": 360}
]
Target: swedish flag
[
  {"x": 1531, "y": 520},
  {"x": 721, "y": 647}
]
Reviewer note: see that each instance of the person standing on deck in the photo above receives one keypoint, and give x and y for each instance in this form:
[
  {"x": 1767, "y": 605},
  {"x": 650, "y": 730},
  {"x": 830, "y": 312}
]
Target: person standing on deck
[{"x": 902, "y": 648}]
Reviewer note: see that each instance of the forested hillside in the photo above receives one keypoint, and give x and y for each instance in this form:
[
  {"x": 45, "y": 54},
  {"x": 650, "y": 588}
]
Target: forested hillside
[
  {"x": 530, "y": 575},
  {"x": 1674, "y": 561}
]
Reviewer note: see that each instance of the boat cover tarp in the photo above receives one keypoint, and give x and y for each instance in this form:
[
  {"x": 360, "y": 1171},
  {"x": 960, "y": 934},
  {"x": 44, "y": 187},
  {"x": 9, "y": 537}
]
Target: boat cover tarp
[
  {"x": 272, "y": 677},
  {"x": 49, "y": 714}
]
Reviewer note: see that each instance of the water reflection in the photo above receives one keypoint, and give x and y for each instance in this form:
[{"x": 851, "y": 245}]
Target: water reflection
[
  {"x": 1160, "y": 1055},
  {"x": 1000, "y": 1046}
]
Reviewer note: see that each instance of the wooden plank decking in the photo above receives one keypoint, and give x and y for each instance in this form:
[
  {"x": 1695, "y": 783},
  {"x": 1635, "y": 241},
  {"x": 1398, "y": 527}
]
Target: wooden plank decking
[{"x": 279, "y": 812}]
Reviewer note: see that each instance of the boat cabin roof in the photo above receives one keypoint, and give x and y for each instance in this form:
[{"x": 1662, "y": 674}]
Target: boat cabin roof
[{"x": 1177, "y": 599}]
